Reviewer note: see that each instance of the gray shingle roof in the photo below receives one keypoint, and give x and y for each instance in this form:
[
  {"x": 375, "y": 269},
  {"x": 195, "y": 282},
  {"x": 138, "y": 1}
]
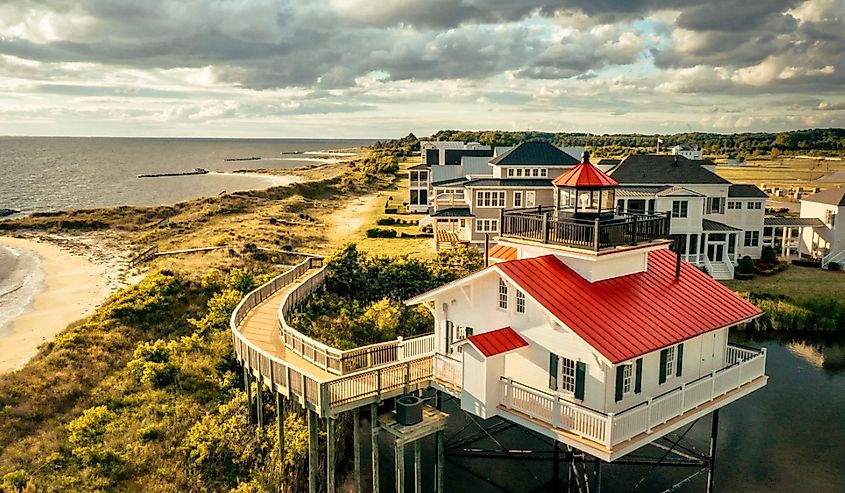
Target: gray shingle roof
[
  {"x": 708, "y": 225},
  {"x": 793, "y": 221},
  {"x": 746, "y": 192},
  {"x": 453, "y": 212},
  {"x": 664, "y": 169},
  {"x": 534, "y": 153},
  {"x": 509, "y": 182},
  {"x": 832, "y": 196},
  {"x": 450, "y": 182},
  {"x": 418, "y": 167}
]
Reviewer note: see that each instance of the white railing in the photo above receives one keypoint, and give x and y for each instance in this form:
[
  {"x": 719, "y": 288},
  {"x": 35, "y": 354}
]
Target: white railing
[
  {"x": 448, "y": 370},
  {"x": 744, "y": 365},
  {"x": 450, "y": 198},
  {"x": 730, "y": 265},
  {"x": 273, "y": 371},
  {"x": 707, "y": 265},
  {"x": 334, "y": 360},
  {"x": 378, "y": 383},
  {"x": 833, "y": 257}
]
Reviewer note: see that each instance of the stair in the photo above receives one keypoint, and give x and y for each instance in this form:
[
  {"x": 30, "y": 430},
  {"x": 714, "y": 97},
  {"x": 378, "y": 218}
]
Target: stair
[{"x": 720, "y": 271}]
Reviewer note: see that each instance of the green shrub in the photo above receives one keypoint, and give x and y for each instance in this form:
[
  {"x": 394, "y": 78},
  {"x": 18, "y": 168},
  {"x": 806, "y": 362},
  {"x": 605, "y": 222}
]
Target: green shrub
[
  {"x": 745, "y": 265},
  {"x": 834, "y": 266},
  {"x": 769, "y": 256},
  {"x": 381, "y": 233},
  {"x": 385, "y": 221},
  {"x": 391, "y": 210},
  {"x": 807, "y": 263},
  {"x": 741, "y": 276}
]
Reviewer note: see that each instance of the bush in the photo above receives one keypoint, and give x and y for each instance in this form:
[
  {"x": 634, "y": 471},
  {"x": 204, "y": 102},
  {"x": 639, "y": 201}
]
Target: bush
[
  {"x": 381, "y": 233},
  {"x": 745, "y": 265},
  {"x": 807, "y": 263},
  {"x": 418, "y": 235},
  {"x": 740, "y": 276},
  {"x": 769, "y": 256},
  {"x": 392, "y": 210},
  {"x": 834, "y": 266},
  {"x": 385, "y": 221},
  {"x": 427, "y": 229}
]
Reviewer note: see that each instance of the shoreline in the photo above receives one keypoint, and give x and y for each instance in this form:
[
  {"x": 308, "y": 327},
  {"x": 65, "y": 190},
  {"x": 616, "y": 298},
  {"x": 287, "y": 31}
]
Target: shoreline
[{"x": 74, "y": 285}]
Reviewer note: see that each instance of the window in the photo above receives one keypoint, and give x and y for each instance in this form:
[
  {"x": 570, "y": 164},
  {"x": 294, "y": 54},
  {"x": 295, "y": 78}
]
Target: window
[
  {"x": 530, "y": 198},
  {"x": 415, "y": 197},
  {"x": 503, "y": 294},
  {"x": 669, "y": 367},
  {"x": 520, "y": 301},
  {"x": 736, "y": 205},
  {"x": 567, "y": 375},
  {"x": 489, "y": 199},
  {"x": 620, "y": 206},
  {"x": 754, "y": 205},
  {"x": 680, "y": 208},
  {"x": 535, "y": 172},
  {"x": 715, "y": 205},
  {"x": 510, "y": 172},
  {"x": 517, "y": 199},
  {"x": 830, "y": 218},
  {"x": 752, "y": 238},
  {"x": 543, "y": 172},
  {"x": 486, "y": 225},
  {"x": 519, "y": 172},
  {"x": 671, "y": 362},
  {"x": 627, "y": 378},
  {"x": 693, "y": 244}
]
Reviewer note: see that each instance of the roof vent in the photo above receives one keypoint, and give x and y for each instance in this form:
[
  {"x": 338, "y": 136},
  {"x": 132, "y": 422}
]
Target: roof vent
[{"x": 585, "y": 157}]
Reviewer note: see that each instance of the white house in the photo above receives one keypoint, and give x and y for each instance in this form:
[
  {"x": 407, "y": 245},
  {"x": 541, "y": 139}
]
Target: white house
[
  {"x": 589, "y": 330},
  {"x": 435, "y": 154},
  {"x": 825, "y": 241},
  {"x": 688, "y": 151}
]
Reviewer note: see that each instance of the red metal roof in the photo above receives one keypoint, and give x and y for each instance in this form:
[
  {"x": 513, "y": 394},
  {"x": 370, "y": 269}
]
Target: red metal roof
[
  {"x": 497, "y": 341},
  {"x": 503, "y": 252},
  {"x": 628, "y": 316},
  {"x": 585, "y": 175}
]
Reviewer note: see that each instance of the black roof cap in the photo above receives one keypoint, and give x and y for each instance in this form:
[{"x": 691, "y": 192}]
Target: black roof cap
[
  {"x": 741, "y": 191},
  {"x": 535, "y": 153},
  {"x": 510, "y": 182},
  {"x": 664, "y": 169}
]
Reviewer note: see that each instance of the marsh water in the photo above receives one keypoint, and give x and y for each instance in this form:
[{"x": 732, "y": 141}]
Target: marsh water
[{"x": 787, "y": 437}]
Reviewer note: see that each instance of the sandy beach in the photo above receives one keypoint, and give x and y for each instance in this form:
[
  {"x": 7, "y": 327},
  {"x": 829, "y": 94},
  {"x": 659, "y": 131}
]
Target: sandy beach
[{"x": 73, "y": 287}]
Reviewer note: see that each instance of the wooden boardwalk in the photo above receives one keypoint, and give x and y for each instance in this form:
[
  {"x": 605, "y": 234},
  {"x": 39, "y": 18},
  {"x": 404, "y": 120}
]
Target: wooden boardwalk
[{"x": 261, "y": 327}]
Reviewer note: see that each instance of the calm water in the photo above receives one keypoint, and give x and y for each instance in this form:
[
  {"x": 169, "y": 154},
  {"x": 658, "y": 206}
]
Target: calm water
[
  {"x": 60, "y": 173},
  {"x": 787, "y": 437}
]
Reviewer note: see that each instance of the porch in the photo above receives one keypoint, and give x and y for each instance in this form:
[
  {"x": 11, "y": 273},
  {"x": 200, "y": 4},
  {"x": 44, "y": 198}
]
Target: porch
[
  {"x": 786, "y": 235},
  {"x": 610, "y": 436},
  {"x": 552, "y": 226}
]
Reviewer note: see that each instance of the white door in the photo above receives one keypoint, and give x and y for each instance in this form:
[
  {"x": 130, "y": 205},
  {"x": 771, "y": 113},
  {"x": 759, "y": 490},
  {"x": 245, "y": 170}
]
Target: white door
[
  {"x": 708, "y": 352},
  {"x": 530, "y": 198}
]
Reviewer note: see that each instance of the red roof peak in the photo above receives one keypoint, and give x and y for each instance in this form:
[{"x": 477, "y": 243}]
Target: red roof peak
[
  {"x": 585, "y": 175},
  {"x": 497, "y": 341}
]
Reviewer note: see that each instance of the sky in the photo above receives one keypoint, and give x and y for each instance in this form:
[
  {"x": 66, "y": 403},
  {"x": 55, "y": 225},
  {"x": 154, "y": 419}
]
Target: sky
[{"x": 383, "y": 68}]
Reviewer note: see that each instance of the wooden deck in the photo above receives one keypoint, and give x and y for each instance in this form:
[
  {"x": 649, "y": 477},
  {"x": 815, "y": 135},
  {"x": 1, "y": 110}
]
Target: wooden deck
[{"x": 261, "y": 327}]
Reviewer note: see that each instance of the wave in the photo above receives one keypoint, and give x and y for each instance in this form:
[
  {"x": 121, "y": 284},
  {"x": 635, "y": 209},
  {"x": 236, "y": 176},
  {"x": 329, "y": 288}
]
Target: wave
[{"x": 21, "y": 279}]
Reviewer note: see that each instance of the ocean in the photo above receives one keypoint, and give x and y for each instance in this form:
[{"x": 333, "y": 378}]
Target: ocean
[{"x": 63, "y": 173}]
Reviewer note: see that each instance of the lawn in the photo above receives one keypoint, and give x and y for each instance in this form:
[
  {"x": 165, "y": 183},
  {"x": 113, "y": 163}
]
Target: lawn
[
  {"x": 782, "y": 172},
  {"x": 798, "y": 283}
]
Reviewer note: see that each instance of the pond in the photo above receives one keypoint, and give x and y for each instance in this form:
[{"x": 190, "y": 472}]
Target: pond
[{"x": 788, "y": 436}]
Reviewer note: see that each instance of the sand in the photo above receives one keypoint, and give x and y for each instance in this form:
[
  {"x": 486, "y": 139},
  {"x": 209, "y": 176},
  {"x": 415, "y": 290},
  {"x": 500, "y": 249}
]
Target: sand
[
  {"x": 350, "y": 219},
  {"x": 74, "y": 286}
]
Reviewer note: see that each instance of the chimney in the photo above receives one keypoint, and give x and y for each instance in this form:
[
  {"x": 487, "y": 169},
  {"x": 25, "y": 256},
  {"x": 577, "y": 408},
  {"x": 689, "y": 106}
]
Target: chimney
[
  {"x": 675, "y": 161},
  {"x": 677, "y": 262},
  {"x": 585, "y": 156}
]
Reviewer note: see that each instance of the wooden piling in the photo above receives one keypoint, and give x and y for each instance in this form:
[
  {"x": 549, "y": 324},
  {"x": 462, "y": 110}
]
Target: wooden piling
[
  {"x": 259, "y": 402},
  {"x": 441, "y": 461},
  {"x": 356, "y": 446},
  {"x": 399, "y": 452},
  {"x": 711, "y": 469},
  {"x": 313, "y": 458},
  {"x": 248, "y": 387},
  {"x": 417, "y": 467},
  {"x": 330, "y": 455},
  {"x": 280, "y": 424},
  {"x": 374, "y": 436}
]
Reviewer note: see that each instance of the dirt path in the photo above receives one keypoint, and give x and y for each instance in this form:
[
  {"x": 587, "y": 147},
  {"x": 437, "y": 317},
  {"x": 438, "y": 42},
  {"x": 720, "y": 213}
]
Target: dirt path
[{"x": 355, "y": 214}]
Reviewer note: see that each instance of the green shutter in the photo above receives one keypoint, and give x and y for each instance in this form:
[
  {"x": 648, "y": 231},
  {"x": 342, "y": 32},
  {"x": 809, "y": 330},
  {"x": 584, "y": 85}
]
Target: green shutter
[
  {"x": 663, "y": 357},
  {"x": 468, "y": 331},
  {"x": 638, "y": 383},
  {"x": 620, "y": 372},
  {"x": 553, "y": 362},
  {"x": 580, "y": 374},
  {"x": 680, "y": 362}
]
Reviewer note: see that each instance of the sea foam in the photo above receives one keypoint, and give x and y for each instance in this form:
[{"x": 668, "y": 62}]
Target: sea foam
[{"x": 21, "y": 279}]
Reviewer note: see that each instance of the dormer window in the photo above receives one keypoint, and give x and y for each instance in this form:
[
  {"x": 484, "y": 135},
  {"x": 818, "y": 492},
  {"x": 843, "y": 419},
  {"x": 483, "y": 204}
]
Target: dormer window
[{"x": 520, "y": 301}]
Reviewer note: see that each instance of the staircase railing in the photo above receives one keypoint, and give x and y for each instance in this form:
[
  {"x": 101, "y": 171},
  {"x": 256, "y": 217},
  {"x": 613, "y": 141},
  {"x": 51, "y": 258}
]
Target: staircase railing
[{"x": 833, "y": 257}]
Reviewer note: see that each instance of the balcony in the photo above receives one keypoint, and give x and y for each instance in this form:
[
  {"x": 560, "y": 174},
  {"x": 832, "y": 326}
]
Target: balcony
[
  {"x": 606, "y": 431},
  {"x": 553, "y": 227},
  {"x": 450, "y": 198}
]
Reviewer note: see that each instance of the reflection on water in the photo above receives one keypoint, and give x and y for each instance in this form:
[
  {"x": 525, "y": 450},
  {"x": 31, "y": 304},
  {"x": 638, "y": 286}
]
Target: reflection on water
[{"x": 787, "y": 437}]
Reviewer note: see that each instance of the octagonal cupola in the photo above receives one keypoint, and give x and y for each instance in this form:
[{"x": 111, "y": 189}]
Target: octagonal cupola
[{"x": 585, "y": 192}]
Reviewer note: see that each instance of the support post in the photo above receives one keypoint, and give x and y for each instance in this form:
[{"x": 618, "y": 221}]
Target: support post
[
  {"x": 597, "y": 472},
  {"x": 280, "y": 424},
  {"x": 330, "y": 455},
  {"x": 313, "y": 458},
  {"x": 556, "y": 465},
  {"x": 417, "y": 467},
  {"x": 248, "y": 385},
  {"x": 374, "y": 436},
  {"x": 259, "y": 402},
  {"x": 441, "y": 460},
  {"x": 356, "y": 446},
  {"x": 399, "y": 453},
  {"x": 711, "y": 470}
]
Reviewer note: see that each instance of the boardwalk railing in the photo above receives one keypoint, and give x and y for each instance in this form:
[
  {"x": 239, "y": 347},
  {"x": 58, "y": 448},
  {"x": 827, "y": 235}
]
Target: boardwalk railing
[
  {"x": 744, "y": 365},
  {"x": 449, "y": 371},
  {"x": 374, "y": 385},
  {"x": 334, "y": 360},
  {"x": 274, "y": 372},
  {"x": 547, "y": 225}
]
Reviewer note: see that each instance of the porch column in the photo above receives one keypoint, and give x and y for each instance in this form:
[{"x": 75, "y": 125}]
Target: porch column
[
  {"x": 800, "y": 239},
  {"x": 784, "y": 248}
]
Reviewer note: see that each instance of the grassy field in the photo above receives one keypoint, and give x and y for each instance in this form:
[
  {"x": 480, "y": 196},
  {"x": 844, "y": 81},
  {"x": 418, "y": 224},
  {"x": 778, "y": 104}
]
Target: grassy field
[
  {"x": 798, "y": 283},
  {"x": 782, "y": 172}
]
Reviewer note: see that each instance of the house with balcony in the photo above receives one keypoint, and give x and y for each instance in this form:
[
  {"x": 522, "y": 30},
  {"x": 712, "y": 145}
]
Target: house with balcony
[
  {"x": 468, "y": 201},
  {"x": 438, "y": 154},
  {"x": 588, "y": 329},
  {"x": 713, "y": 221},
  {"x": 824, "y": 240}
]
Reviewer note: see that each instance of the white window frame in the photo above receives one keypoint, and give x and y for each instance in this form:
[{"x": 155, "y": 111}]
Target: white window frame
[
  {"x": 544, "y": 172},
  {"x": 566, "y": 375},
  {"x": 734, "y": 205},
  {"x": 670, "y": 362},
  {"x": 751, "y": 239},
  {"x": 490, "y": 199},
  {"x": 520, "y": 301},
  {"x": 503, "y": 295},
  {"x": 486, "y": 225},
  {"x": 517, "y": 200},
  {"x": 683, "y": 208},
  {"x": 530, "y": 198},
  {"x": 627, "y": 379}
]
